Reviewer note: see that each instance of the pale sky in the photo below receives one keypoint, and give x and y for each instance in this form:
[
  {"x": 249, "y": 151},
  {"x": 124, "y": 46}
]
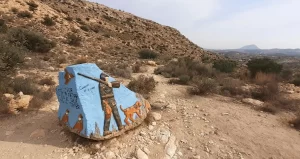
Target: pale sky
[{"x": 223, "y": 24}]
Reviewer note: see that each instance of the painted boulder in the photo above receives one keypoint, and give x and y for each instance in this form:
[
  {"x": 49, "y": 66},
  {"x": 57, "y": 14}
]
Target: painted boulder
[{"x": 95, "y": 105}]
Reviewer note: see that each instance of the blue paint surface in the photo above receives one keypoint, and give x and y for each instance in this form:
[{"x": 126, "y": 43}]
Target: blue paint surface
[{"x": 82, "y": 96}]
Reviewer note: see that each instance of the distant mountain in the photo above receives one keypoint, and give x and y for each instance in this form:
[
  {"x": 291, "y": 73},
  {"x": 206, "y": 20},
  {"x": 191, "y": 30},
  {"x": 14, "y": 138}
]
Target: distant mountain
[{"x": 250, "y": 47}]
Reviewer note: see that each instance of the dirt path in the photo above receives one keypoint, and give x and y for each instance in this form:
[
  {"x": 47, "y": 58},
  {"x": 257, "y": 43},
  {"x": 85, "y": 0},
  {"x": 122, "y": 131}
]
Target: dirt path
[{"x": 203, "y": 127}]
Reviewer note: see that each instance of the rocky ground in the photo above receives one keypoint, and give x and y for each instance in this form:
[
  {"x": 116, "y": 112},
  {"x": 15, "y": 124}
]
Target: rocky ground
[{"x": 179, "y": 127}]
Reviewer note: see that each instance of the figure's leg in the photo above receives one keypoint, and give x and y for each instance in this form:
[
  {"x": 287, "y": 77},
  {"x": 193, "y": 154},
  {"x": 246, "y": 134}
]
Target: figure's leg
[{"x": 116, "y": 114}]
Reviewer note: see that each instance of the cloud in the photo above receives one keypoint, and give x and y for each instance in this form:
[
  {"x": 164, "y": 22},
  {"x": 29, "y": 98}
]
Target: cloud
[{"x": 269, "y": 25}]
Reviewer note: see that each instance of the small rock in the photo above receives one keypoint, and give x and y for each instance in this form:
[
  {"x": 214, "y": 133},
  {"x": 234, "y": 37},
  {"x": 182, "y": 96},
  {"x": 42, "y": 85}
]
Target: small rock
[
  {"x": 151, "y": 127},
  {"x": 197, "y": 157},
  {"x": 39, "y": 133},
  {"x": 27, "y": 58},
  {"x": 172, "y": 106},
  {"x": 159, "y": 105},
  {"x": 225, "y": 114},
  {"x": 142, "y": 133},
  {"x": 110, "y": 155},
  {"x": 86, "y": 156},
  {"x": 51, "y": 68},
  {"x": 171, "y": 147},
  {"x": 141, "y": 154},
  {"x": 146, "y": 150},
  {"x": 154, "y": 123},
  {"x": 151, "y": 63},
  {"x": 8, "y": 133},
  {"x": 253, "y": 102},
  {"x": 163, "y": 135},
  {"x": 179, "y": 153},
  {"x": 156, "y": 116}
]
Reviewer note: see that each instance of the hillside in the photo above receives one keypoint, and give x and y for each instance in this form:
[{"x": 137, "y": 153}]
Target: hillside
[{"x": 105, "y": 32}]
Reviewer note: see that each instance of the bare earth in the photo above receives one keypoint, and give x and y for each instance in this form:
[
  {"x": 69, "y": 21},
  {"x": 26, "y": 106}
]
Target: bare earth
[{"x": 203, "y": 127}]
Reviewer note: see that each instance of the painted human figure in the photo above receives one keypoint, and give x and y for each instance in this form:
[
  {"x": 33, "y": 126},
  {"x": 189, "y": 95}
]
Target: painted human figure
[{"x": 109, "y": 104}]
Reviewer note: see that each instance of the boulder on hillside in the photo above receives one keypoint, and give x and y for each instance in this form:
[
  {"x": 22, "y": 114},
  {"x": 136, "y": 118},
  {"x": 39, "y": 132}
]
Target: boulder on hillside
[
  {"x": 96, "y": 106},
  {"x": 14, "y": 104}
]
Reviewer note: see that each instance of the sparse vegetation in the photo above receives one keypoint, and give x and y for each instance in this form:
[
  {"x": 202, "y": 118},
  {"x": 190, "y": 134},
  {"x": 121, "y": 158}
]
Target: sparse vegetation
[
  {"x": 10, "y": 56},
  {"x": 14, "y": 10},
  {"x": 81, "y": 60},
  {"x": 25, "y": 85},
  {"x": 226, "y": 66},
  {"x": 48, "y": 21},
  {"x": 85, "y": 28},
  {"x": 136, "y": 68},
  {"x": 202, "y": 86},
  {"x": 3, "y": 26},
  {"x": 296, "y": 122},
  {"x": 33, "y": 41},
  {"x": 143, "y": 84},
  {"x": 73, "y": 39},
  {"x": 47, "y": 81},
  {"x": 32, "y": 6},
  {"x": 264, "y": 65},
  {"x": 266, "y": 92},
  {"x": 120, "y": 70},
  {"x": 147, "y": 54},
  {"x": 25, "y": 14}
]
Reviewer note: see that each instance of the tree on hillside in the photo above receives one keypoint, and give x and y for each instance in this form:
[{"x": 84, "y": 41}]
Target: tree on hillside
[{"x": 264, "y": 65}]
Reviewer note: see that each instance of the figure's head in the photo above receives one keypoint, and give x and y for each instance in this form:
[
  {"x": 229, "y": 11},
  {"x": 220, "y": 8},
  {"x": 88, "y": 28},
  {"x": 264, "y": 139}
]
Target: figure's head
[{"x": 138, "y": 104}]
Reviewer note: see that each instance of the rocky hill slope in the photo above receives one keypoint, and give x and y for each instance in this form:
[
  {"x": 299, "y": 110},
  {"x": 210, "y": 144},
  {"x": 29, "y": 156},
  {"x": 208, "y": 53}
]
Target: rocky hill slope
[{"x": 105, "y": 32}]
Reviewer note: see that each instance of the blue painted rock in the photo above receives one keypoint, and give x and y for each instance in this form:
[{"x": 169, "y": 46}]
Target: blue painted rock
[{"x": 96, "y": 106}]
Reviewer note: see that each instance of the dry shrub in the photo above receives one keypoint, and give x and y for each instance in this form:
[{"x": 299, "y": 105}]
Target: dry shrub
[
  {"x": 117, "y": 69},
  {"x": 136, "y": 68},
  {"x": 202, "y": 86},
  {"x": 81, "y": 60},
  {"x": 263, "y": 78},
  {"x": 292, "y": 105},
  {"x": 74, "y": 39},
  {"x": 36, "y": 103},
  {"x": 25, "y": 85},
  {"x": 185, "y": 66},
  {"x": 266, "y": 92},
  {"x": 143, "y": 84},
  {"x": 268, "y": 108},
  {"x": 183, "y": 80},
  {"x": 232, "y": 87},
  {"x": 24, "y": 14},
  {"x": 62, "y": 59},
  {"x": 47, "y": 81},
  {"x": 296, "y": 122}
]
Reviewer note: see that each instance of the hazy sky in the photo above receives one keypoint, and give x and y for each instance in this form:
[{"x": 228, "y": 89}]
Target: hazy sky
[{"x": 221, "y": 24}]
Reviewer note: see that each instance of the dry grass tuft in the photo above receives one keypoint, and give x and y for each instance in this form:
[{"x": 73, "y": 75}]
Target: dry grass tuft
[
  {"x": 264, "y": 78},
  {"x": 202, "y": 86},
  {"x": 47, "y": 81},
  {"x": 143, "y": 84}
]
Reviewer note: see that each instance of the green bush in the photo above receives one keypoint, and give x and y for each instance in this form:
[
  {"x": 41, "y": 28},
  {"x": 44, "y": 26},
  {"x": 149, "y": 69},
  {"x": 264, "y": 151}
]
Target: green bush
[
  {"x": 3, "y": 26},
  {"x": 25, "y": 14},
  {"x": 226, "y": 66},
  {"x": 33, "y": 41},
  {"x": 73, "y": 39},
  {"x": 147, "y": 54},
  {"x": 264, "y": 65},
  {"x": 48, "y": 21}
]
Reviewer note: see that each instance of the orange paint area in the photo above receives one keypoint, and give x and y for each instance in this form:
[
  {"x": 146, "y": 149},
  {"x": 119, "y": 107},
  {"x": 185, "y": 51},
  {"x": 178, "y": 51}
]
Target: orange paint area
[
  {"x": 78, "y": 127},
  {"x": 147, "y": 105},
  {"x": 130, "y": 111},
  {"x": 107, "y": 109},
  {"x": 68, "y": 76},
  {"x": 65, "y": 118}
]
